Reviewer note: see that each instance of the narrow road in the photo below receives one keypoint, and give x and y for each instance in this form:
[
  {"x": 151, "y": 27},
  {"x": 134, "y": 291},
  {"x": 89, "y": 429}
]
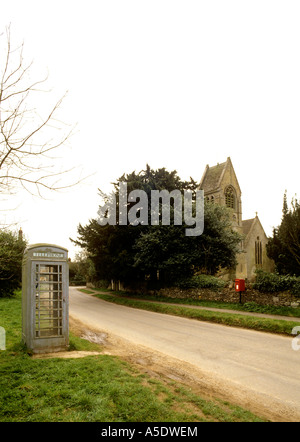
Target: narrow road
[{"x": 261, "y": 363}]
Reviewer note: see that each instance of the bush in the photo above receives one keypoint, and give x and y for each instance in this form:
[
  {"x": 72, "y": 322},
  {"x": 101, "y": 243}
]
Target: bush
[
  {"x": 77, "y": 282},
  {"x": 101, "y": 284},
  {"x": 202, "y": 281},
  {"x": 273, "y": 282},
  {"x": 295, "y": 290},
  {"x": 11, "y": 254}
]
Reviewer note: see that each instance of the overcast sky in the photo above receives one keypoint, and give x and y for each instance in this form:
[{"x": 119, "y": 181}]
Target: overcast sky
[{"x": 175, "y": 84}]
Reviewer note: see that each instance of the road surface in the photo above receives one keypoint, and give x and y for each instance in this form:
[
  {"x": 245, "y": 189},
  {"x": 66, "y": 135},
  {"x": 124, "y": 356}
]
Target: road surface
[{"x": 261, "y": 363}]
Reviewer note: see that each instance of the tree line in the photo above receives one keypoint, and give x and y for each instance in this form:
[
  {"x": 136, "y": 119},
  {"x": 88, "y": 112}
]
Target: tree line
[{"x": 131, "y": 253}]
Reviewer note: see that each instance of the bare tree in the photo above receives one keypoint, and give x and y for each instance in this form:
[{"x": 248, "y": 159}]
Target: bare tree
[{"x": 28, "y": 139}]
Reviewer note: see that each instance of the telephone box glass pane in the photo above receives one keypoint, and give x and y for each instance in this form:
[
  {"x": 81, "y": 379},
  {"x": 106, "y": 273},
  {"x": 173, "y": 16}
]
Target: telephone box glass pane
[{"x": 48, "y": 300}]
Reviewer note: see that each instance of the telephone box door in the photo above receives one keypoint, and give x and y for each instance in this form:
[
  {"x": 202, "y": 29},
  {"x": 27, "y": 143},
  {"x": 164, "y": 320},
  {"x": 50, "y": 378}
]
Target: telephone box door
[{"x": 49, "y": 303}]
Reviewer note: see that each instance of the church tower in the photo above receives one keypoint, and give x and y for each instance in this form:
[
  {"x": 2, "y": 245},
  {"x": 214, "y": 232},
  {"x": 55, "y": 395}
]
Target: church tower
[{"x": 221, "y": 186}]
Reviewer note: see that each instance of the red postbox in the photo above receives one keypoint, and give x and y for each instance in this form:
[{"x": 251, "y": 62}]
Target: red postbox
[{"x": 240, "y": 285}]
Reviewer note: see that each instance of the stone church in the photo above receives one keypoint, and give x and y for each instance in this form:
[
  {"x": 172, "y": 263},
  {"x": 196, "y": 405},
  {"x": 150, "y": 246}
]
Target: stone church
[{"x": 221, "y": 186}]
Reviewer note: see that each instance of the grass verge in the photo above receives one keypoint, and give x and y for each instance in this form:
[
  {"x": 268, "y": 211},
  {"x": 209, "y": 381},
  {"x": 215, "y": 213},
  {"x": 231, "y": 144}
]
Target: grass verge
[
  {"x": 232, "y": 319},
  {"x": 246, "y": 306},
  {"x": 93, "y": 389}
]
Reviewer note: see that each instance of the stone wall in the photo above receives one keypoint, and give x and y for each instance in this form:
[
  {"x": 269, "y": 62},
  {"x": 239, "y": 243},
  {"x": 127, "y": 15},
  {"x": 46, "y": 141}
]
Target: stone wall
[
  {"x": 229, "y": 295},
  {"x": 284, "y": 299}
]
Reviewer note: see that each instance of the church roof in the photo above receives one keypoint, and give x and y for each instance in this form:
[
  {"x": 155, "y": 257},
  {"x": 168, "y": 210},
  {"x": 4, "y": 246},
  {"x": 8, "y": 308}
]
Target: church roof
[
  {"x": 211, "y": 177},
  {"x": 247, "y": 224}
]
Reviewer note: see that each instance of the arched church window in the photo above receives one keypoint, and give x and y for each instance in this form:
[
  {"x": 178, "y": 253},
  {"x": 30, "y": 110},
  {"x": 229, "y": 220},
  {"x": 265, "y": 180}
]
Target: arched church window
[
  {"x": 230, "y": 197},
  {"x": 258, "y": 251}
]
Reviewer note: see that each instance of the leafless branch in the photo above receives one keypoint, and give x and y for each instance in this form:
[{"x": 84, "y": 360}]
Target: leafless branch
[{"x": 24, "y": 136}]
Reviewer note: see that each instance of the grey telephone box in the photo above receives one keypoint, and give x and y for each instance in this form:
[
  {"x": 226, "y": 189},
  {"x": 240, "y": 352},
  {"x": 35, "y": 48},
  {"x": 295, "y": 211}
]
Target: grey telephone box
[{"x": 45, "y": 298}]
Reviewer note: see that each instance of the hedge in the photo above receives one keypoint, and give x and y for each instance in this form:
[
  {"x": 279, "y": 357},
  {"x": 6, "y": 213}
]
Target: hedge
[{"x": 273, "y": 282}]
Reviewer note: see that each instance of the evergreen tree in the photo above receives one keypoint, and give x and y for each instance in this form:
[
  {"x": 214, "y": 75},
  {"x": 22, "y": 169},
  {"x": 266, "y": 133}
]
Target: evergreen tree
[
  {"x": 284, "y": 246},
  {"x": 128, "y": 253}
]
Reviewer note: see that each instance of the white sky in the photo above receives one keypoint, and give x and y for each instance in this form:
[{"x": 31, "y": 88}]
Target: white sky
[{"x": 176, "y": 84}]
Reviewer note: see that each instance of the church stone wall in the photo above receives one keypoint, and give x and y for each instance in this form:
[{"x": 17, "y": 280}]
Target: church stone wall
[
  {"x": 230, "y": 295},
  {"x": 241, "y": 268},
  {"x": 267, "y": 264}
]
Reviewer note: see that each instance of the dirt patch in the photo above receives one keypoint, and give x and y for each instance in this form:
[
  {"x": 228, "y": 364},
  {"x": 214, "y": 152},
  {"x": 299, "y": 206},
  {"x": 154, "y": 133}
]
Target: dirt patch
[
  {"x": 158, "y": 365},
  {"x": 66, "y": 354},
  {"x": 97, "y": 338}
]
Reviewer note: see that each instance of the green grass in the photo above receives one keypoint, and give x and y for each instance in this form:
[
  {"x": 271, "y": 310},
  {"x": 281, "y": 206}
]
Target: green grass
[
  {"x": 246, "y": 306},
  {"x": 87, "y": 291},
  {"x": 93, "y": 389},
  {"x": 232, "y": 319}
]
